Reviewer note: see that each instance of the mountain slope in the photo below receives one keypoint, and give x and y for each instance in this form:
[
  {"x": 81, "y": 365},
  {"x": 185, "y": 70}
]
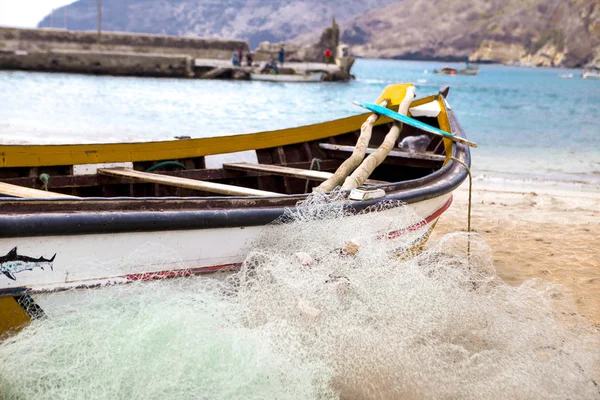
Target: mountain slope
[
  {"x": 538, "y": 32},
  {"x": 251, "y": 20},
  {"x": 535, "y": 32}
]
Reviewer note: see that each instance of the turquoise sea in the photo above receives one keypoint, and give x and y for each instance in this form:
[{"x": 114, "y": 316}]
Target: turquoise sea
[{"x": 531, "y": 125}]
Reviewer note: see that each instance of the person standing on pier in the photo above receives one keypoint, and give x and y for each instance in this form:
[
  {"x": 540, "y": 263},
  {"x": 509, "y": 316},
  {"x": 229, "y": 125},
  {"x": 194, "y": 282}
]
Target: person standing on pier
[
  {"x": 240, "y": 56},
  {"x": 281, "y": 55},
  {"x": 249, "y": 59},
  {"x": 327, "y": 56}
]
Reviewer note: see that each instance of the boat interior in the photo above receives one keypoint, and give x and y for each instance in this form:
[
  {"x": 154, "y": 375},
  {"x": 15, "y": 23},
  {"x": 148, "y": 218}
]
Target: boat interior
[{"x": 279, "y": 170}]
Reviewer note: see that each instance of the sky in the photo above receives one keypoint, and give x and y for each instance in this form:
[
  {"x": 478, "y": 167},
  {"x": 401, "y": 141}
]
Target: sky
[{"x": 27, "y": 13}]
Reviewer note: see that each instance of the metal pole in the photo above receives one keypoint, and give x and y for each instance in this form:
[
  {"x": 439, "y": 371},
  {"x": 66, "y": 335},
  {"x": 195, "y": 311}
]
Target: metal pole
[
  {"x": 66, "y": 16},
  {"x": 52, "y": 18},
  {"x": 99, "y": 20}
]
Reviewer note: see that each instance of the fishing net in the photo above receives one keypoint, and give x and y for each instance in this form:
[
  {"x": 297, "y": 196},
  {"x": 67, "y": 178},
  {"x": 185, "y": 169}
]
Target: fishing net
[{"x": 329, "y": 304}]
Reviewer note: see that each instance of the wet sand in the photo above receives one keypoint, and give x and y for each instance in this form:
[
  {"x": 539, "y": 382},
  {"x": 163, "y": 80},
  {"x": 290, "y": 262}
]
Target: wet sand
[{"x": 549, "y": 233}]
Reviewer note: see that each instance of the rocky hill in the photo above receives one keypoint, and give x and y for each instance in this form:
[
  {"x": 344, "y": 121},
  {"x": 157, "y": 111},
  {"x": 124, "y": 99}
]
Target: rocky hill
[
  {"x": 251, "y": 20},
  {"x": 534, "y": 32}
]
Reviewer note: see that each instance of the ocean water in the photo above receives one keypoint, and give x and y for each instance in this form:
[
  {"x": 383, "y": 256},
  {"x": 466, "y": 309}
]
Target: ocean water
[{"x": 531, "y": 126}]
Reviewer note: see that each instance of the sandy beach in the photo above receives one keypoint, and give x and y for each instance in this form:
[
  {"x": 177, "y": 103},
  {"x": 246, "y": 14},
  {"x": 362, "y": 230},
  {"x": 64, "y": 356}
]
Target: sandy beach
[{"x": 547, "y": 233}]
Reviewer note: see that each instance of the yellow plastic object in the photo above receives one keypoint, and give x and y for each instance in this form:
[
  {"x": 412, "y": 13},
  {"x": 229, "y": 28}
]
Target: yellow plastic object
[
  {"x": 394, "y": 94},
  {"x": 12, "y": 316}
]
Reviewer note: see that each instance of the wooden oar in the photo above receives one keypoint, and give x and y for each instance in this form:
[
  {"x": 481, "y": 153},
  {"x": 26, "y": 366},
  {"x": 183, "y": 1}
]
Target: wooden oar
[{"x": 413, "y": 122}]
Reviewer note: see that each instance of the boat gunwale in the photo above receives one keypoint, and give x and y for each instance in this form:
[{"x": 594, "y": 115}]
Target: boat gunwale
[
  {"x": 255, "y": 210},
  {"x": 391, "y": 187},
  {"x": 44, "y": 155}
]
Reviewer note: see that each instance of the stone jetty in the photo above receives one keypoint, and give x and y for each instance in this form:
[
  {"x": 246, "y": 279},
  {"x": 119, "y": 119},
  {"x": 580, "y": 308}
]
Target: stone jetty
[{"x": 126, "y": 54}]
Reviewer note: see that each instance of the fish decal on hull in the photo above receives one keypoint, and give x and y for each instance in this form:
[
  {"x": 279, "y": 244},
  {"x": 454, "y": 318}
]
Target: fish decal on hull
[{"x": 12, "y": 263}]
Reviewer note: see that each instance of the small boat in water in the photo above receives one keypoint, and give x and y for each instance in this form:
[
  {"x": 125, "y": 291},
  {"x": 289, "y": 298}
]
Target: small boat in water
[
  {"x": 593, "y": 73},
  {"x": 468, "y": 71},
  {"x": 87, "y": 215},
  {"x": 565, "y": 76},
  {"x": 269, "y": 77}
]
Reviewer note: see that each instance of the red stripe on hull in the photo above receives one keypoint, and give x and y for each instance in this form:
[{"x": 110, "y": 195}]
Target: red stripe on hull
[
  {"x": 420, "y": 224},
  {"x": 152, "y": 276},
  {"x": 228, "y": 267},
  {"x": 160, "y": 275}
]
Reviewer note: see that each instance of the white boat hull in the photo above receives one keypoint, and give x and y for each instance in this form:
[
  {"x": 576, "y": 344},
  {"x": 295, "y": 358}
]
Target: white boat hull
[
  {"x": 103, "y": 259},
  {"x": 591, "y": 75},
  {"x": 314, "y": 77}
]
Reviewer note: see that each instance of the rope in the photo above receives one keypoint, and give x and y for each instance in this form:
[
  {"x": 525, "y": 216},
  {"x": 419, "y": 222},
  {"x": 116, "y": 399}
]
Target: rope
[
  {"x": 313, "y": 162},
  {"x": 357, "y": 156},
  {"x": 45, "y": 178},
  {"x": 469, "y": 212},
  {"x": 368, "y": 165},
  {"x": 165, "y": 164}
]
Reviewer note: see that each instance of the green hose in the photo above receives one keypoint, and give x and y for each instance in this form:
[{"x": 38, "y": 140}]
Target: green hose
[{"x": 166, "y": 164}]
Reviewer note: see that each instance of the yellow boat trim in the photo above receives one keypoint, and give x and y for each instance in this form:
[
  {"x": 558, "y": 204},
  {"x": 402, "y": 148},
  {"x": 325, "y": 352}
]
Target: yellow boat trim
[
  {"x": 47, "y": 155},
  {"x": 445, "y": 126},
  {"x": 443, "y": 121},
  {"x": 75, "y": 154}
]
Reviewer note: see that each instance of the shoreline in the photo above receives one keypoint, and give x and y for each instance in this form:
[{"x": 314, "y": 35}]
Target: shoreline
[
  {"x": 543, "y": 233},
  {"x": 462, "y": 62}
]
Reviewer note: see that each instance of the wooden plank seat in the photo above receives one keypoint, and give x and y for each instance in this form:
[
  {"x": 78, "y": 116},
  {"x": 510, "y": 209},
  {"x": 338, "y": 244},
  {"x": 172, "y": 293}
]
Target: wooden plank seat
[
  {"x": 187, "y": 183},
  {"x": 21, "y": 191},
  {"x": 287, "y": 171},
  {"x": 393, "y": 153}
]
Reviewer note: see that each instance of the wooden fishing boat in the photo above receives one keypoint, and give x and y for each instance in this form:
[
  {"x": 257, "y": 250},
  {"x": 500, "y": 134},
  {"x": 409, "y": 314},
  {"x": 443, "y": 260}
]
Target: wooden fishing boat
[
  {"x": 565, "y": 76},
  {"x": 592, "y": 73},
  {"x": 306, "y": 78},
  {"x": 78, "y": 216},
  {"x": 468, "y": 71}
]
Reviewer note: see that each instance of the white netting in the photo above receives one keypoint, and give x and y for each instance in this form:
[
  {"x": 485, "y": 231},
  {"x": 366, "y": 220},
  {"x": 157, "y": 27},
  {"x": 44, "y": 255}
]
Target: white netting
[{"x": 309, "y": 316}]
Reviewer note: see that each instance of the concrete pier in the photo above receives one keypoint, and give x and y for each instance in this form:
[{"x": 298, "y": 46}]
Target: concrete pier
[
  {"x": 101, "y": 63},
  {"x": 223, "y": 69},
  {"x": 125, "y": 54},
  {"x": 46, "y": 40}
]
